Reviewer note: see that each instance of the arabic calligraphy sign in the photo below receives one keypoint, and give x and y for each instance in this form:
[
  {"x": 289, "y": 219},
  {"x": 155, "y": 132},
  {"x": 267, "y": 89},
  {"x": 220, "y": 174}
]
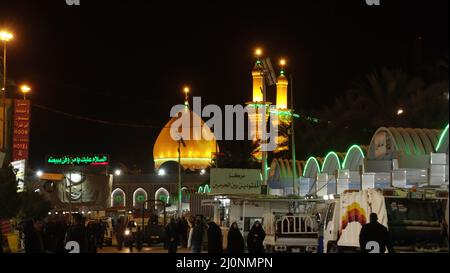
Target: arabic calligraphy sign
[
  {"x": 235, "y": 181},
  {"x": 92, "y": 160},
  {"x": 21, "y": 132}
]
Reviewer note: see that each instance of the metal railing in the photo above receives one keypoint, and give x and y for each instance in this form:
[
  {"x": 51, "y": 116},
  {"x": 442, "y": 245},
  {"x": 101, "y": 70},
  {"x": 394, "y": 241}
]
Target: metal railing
[{"x": 298, "y": 224}]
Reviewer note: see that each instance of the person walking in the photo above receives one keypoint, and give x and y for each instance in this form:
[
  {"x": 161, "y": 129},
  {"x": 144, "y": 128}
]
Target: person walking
[
  {"x": 255, "y": 238},
  {"x": 183, "y": 227},
  {"x": 120, "y": 229},
  {"x": 34, "y": 236},
  {"x": 91, "y": 231},
  {"x": 235, "y": 242},
  {"x": 139, "y": 239},
  {"x": 172, "y": 236},
  {"x": 77, "y": 232},
  {"x": 374, "y": 232},
  {"x": 196, "y": 237},
  {"x": 214, "y": 238}
]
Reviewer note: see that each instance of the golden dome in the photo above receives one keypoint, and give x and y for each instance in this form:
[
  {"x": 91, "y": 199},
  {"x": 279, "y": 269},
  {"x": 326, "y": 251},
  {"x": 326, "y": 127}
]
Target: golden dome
[{"x": 196, "y": 155}]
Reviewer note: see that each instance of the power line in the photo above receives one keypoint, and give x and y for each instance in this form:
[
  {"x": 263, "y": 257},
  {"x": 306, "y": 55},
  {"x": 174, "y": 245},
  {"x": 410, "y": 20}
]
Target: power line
[
  {"x": 104, "y": 122},
  {"x": 95, "y": 120}
]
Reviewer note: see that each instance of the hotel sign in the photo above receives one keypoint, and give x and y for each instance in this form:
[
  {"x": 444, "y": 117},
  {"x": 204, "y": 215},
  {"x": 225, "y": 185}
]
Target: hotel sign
[
  {"x": 78, "y": 160},
  {"x": 21, "y": 132}
]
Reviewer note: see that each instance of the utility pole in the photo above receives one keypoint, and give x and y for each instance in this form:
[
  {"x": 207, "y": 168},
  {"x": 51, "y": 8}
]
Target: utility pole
[
  {"x": 264, "y": 135},
  {"x": 180, "y": 141},
  {"x": 294, "y": 161}
]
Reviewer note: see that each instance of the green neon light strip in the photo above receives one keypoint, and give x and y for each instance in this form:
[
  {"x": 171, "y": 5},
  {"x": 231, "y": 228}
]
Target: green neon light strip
[
  {"x": 313, "y": 159},
  {"x": 326, "y": 158},
  {"x": 441, "y": 139},
  {"x": 348, "y": 152},
  {"x": 257, "y": 105},
  {"x": 205, "y": 189},
  {"x": 77, "y": 160},
  {"x": 284, "y": 113}
]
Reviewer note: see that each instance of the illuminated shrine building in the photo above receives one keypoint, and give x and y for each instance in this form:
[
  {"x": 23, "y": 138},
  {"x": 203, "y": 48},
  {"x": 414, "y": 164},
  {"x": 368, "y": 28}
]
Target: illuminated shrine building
[{"x": 197, "y": 154}]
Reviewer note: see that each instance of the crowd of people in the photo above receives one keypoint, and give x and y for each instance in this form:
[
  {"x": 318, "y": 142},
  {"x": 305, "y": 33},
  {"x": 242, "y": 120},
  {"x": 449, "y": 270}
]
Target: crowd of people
[
  {"x": 53, "y": 235},
  {"x": 199, "y": 235}
]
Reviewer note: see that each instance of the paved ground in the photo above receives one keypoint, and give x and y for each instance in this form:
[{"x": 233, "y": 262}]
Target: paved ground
[{"x": 146, "y": 249}]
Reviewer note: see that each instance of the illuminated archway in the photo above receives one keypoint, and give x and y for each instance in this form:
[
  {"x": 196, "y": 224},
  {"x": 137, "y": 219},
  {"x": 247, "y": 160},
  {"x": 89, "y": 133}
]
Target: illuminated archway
[
  {"x": 442, "y": 146},
  {"x": 312, "y": 168},
  {"x": 163, "y": 195},
  {"x": 331, "y": 163},
  {"x": 353, "y": 158},
  {"x": 139, "y": 197},
  {"x": 118, "y": 198}
]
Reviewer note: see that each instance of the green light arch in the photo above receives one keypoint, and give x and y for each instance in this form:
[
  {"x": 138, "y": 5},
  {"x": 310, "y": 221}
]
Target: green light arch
[
  {"x": 441, "y": 138},
  {"x": 327, "y": 158},
  {"x": 355, "y": 146},
  {"x": 314, "y": 161}
]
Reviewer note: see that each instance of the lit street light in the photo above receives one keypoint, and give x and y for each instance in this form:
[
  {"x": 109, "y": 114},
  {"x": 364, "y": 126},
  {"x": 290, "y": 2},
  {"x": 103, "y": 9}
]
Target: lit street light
[
  {"x": 39, "y": 173},
  {"x": 400, "y": 111},
  {"x": 117, "y": 172},
  {"x": 5, "y": 37},
  {"x": 161, "y": 172},
  {"x": 25, "y": 89}
]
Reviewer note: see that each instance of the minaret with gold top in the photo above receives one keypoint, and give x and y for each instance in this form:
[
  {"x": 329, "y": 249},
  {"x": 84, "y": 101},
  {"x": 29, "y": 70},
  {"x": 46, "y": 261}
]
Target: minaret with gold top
[
  {"x": 255, "y": 106},
  {"x": 284, "y": 114}
]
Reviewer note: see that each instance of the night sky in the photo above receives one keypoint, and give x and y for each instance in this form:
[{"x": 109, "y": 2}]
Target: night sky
[{"x": 126, "y": 61}]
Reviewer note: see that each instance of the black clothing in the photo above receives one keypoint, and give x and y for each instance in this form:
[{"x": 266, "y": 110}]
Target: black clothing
[
  {"x": 375, "y": 231},
  {"x": 255, "y": 239},
  {"x": 235, "y": 242},
  {"x": 214, "y": 238},
  {"x": 34, "y": 240},
  {"x": 78, "y": 234},
  {"x": 172, "y": 237}
]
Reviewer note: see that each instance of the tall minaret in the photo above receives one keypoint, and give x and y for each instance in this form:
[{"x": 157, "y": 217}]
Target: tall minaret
[
  {"x": 284, "y": 118},
  {"x": 257, "y": 82},
  {"x": 255, "y": 106},
  {"x": 282, "y": 92}
]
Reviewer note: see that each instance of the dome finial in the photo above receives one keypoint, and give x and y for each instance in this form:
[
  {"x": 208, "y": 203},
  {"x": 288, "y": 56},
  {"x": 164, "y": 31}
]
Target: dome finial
[
  {"x": 186, "y": 96},
  {"x": 282, "y": 64}
]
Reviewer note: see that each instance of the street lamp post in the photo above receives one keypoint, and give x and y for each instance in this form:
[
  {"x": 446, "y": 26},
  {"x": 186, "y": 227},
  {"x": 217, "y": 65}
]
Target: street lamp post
[
  {"x": 180, "y": 141},
  {"x": 267, "y": 73},
  {"x": 294, "y": 160},
  {"x": 5, "y": 37},
  {"x": 25, "y": 89}
]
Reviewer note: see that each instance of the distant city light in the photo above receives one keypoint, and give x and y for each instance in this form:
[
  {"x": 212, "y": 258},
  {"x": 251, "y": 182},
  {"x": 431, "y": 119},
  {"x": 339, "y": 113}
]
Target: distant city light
[
  {"x": 400, "y": 111},
  {"x": 39, "y": 173},
  {"x": 161, "y": 172},
  {"x": 203, "y": 171},
  {"x": 117, "y": 172}
]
